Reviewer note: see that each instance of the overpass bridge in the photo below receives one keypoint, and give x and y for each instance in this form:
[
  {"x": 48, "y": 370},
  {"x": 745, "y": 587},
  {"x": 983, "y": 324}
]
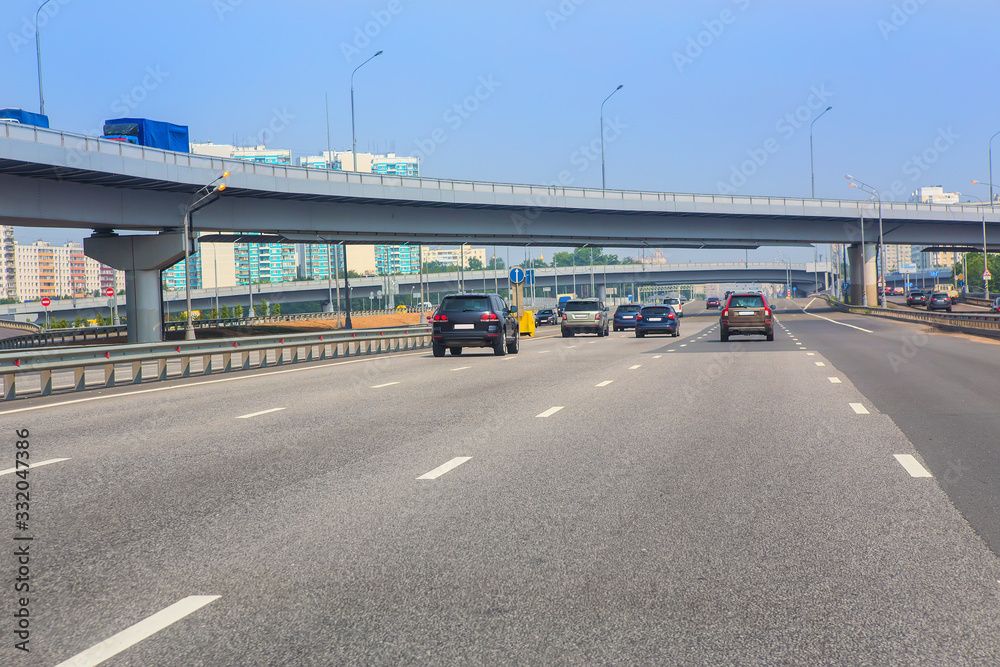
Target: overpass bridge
[
  {"x": 555, "y": 280},
  {"x": 60, "y": 179}
]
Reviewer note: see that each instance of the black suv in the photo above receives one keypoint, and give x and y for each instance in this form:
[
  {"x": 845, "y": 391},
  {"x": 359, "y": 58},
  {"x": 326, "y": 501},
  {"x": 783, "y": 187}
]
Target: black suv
[{"x": 475, "y": 320}]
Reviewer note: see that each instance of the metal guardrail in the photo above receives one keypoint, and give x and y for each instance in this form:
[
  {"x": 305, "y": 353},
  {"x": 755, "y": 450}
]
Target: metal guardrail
[
  {"x": 174, "y": 359},
  {"x": 24, "y": 326},
  {"x": 80, "y": 143},
  {"x": 975, "y": 300},
  {"x": 982, "y": 324},
  {"x": 83, "y": 334}
]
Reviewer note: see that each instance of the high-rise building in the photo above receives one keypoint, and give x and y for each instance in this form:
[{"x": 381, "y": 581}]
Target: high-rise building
[
  {"x": 933, "y": 194},
  {"x": 388, "y": 164},
  {"x": 261, "y": 154},
  {"x": 453, "y": 256},
  {"x": 45, "y": 270},
  {"x": 8, "y": 265},
  {"x": 213, "y": 265}
]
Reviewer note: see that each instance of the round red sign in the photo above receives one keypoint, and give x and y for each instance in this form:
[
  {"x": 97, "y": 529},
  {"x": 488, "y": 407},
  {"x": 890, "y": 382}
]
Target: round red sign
[
  {"x": 46, "y": 302},
  {"x": 110, "y": 291}
]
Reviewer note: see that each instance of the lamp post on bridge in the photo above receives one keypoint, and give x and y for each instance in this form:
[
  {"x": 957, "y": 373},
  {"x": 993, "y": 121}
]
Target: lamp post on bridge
[
  {"x": 603, "y": 185},
  {"x": 38, "y": 53},
  {"x": 354, "y": 136},
  {"x": 864, "y": 187}
]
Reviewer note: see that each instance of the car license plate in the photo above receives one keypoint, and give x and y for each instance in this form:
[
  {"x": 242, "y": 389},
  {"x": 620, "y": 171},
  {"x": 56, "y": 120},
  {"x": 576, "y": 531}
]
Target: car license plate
[
  {"x": 627, "y": 317},
  {"x": 656, "y": 319},
  {"x": 579, "y": 317},
  {"x": 748, "y": 312},
  {"x": 465, "y": 326}
]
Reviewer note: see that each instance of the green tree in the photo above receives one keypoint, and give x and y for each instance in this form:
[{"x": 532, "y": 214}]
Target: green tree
[
  {"x": 213, "y": 314},
  {"x": 79, "y": 322},
  {"x": 239, "y": 310},
  {"x": 100, "y": 320},
  {"x": 225, "y": 314},
  {"x": 276, "y": 309},
  {"x": 496, "y": 263},
  {"x": 974, "y": 277},
  {"x": 60, "y": 324},
  {"x": 260, "y": 309},
  {"x": 475, "y": 264}
]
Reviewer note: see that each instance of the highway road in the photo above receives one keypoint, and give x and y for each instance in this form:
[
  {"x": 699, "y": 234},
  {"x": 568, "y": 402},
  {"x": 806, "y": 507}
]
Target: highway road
[{"x": 587, "y": 501}]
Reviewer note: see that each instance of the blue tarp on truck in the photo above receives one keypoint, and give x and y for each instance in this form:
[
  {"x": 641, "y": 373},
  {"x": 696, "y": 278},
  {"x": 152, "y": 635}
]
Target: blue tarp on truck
[
  {"x": 152, "y": 133},
  {"x": 25, "y": 117}
]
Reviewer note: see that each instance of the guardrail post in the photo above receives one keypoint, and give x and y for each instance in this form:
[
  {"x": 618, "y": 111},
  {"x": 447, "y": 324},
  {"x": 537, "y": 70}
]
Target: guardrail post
[
  {"x": 185, "y": 367},
  {"x": 136, "y": 372},
  {"x": 206, "y": 364},
  {"x": 45, "y": 377},
  {"x": 109, "y": 375},
  {"x": 79, "y": 378},
  {"x": 161, "y": 369},
  {"x": 227, "y": 362},
  {"x": 245, "y": 361},
  {"x": 9, "y": 387}
]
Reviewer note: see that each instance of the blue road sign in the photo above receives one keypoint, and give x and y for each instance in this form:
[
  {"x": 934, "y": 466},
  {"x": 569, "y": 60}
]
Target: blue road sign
[
  {"x": 529, "y": 276},
  {"x": 517, "y": 275},
  {"x": 934, "y": 273},
  {"x": 909, "y": 284}
]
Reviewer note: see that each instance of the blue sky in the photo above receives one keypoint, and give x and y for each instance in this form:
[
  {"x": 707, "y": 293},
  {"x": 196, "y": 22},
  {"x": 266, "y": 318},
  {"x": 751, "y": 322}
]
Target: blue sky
[{"x": 718, "y": 95}]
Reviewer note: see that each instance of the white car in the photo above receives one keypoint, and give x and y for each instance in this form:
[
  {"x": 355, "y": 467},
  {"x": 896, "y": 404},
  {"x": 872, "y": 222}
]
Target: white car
[{"x": 676, "y": 303}]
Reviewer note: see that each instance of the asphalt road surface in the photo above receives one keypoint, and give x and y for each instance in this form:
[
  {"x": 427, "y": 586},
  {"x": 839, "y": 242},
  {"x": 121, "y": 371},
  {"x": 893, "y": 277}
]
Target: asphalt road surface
[{"x": 668, "y": 501}]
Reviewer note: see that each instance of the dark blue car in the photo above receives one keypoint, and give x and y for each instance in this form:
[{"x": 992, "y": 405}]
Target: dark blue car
[
  {"x": 625, "y": 316},
  {"x": 657, "y": 320}
]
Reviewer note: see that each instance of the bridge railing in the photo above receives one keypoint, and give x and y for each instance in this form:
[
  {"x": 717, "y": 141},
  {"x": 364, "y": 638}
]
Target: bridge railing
[
  {"x": 540, "y": 194},
  {"x": 41, "y": 373},
  {"x": 988, "y": 324}
]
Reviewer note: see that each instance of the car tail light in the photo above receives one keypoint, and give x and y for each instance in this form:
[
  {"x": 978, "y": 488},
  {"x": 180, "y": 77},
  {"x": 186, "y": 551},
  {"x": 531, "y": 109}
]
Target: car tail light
[
  {"x": 564, "y": 317},
  {"x": 598, "y": 317},
  {"x": 440, "y": 318},
  {"x": 725, "y": 313},
  {"x": 638, "y": 316},
  {"x": 767, "y": 312},
  {"x": 670, "y": 316},
  {"x": 489, "y": 317}
]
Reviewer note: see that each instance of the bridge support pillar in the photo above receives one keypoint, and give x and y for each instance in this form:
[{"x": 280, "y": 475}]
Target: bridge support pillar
[
  {"x": 602, "y": 292},
  {"x": 142, "y": 258},
  {"x": 863, "y": 273}
]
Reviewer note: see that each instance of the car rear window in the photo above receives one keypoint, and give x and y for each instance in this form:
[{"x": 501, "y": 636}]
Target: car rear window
[
  {"x": 746, "y": 301},
  {"x": 658, "y": 310},
  {"x": 581, "y": 305},
  {"x": 940, "y": 295},
  {"x": 465, "y": 303},
  {"x": 628, "y": 309}
]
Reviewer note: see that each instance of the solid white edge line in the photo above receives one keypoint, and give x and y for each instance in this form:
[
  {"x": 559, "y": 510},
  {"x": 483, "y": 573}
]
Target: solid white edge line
[
  {"x": 551, "y": 411},
  {"x": 820, "y": 363},
  {"x": 859, "y": 408},
  {"x": 658, "y": 356},
  {"x": 257, "y": 414},
  {"x": 237, "y": 378},
  {"x": 834, "y": 380},
  {"x": 912, "y": 466},
  {"x": 843, "y": 324},
  {"x": 131, "y": 636},
  {"x": 442, "y": 469},
  {"x": 604, "y": 384},
  {"x": 632, "y": 368},
  {"x": 32, "y": 466},
  {"x": 379, "y": 386}
]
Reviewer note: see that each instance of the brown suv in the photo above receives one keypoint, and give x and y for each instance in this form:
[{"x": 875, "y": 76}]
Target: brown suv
[
  {"x": 584, "y": 316},
  {"x": 746, "y": 314}
]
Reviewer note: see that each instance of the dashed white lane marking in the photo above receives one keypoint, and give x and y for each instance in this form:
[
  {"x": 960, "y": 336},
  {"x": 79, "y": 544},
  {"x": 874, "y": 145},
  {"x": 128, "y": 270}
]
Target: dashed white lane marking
[
  {"x": 544, "y": 351},
  {"x": 591, "y": 342},
  {"x": 257, "y": 414},
  {"x": 387, "y": 384},
  {"x": 632, "y": 368},
  {"x": 461, "y": 368},
  {"x": 834, "y": 380},
  {"x": 912, "y": 466},
  {"x": 684, "y": 344},
  {"x": 32, "y": 466},
  {"x": 820, "y": 363},
  {"x": 568, "y": 347},
  {"x": 551, "y": 411},
  {"x": 859, "y": 409},
  {"x": 442, "y": 469},
  {"x": 671, "y": 350},
  {"x": 131, "y": 636},
  {"x": 658, "y": 356},
  {"x": 810, "y": 354},
  {"x": 604, "y": 384}
]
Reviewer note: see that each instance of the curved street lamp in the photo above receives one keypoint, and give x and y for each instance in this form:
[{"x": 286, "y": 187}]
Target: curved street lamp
[
  {"x": 603, "y": 186},
  {"x": 812, "y": 170},
  {"x": 354, "y": 137},
  {"x": 991, "y": 166},
  {"x": 38, "y": 53},
  {"x": 195, "y": 204}
]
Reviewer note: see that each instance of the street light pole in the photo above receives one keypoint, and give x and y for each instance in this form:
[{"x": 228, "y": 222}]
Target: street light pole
[
  {"x": 986, "y": 267},
  {"x": 191, "y": 207},
  {"x": 603, "y": 185},
  {"x": 812, "y": 169},
  {"x": 354, "y": 136},
  {"x": 881, "y": 239},
  {"x": 38, "y": 53},
  {"x": 991, "y": 167}
]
